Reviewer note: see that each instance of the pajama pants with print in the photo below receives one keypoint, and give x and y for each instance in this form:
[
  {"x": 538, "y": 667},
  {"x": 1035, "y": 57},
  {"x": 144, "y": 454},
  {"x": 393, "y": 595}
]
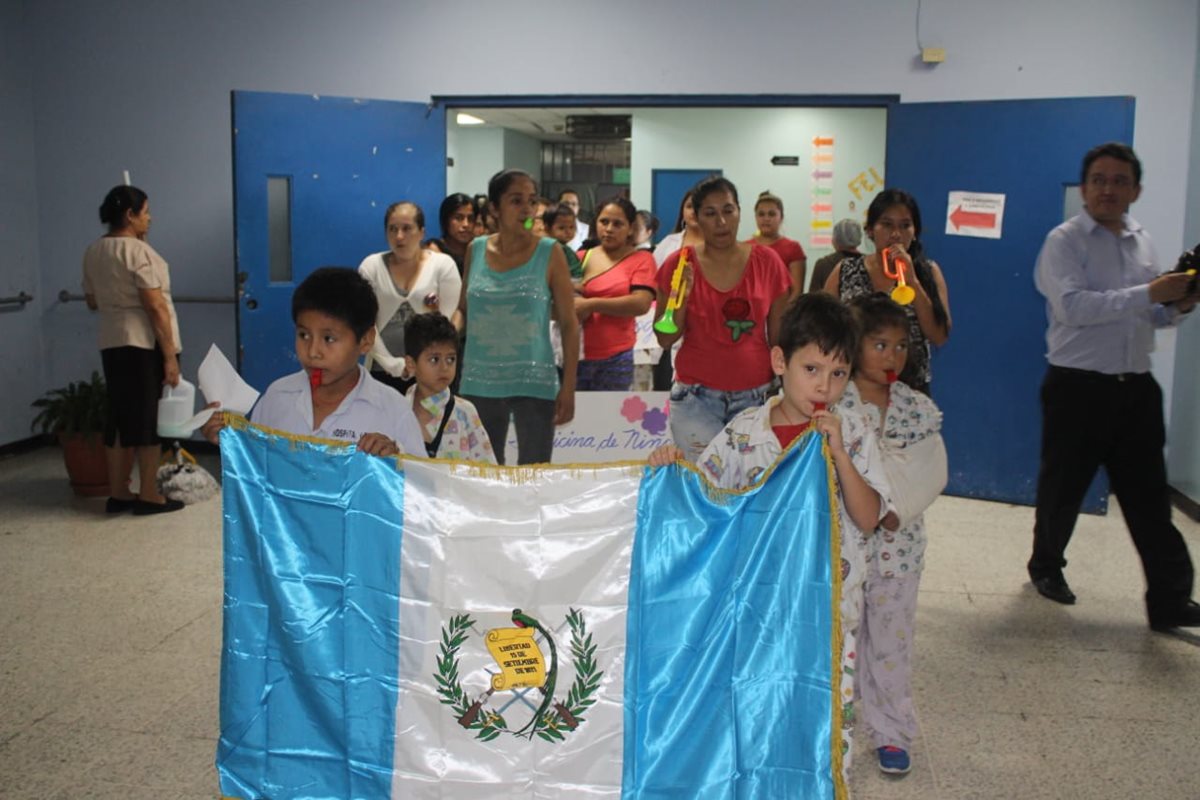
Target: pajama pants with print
[
  {"x": 885, "y": 650},
  {"x": 851, "y": 604}
]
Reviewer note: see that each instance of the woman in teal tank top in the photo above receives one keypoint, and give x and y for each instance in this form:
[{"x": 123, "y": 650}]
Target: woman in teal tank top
[{"x": 512, "y": 282}]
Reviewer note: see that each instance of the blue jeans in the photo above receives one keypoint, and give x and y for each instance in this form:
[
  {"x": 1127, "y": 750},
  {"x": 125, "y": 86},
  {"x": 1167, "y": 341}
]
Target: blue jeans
[{"x": 698, "y": 413}]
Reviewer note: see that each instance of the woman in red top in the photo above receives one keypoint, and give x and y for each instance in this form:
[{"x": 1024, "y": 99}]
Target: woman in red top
[
  {"x": 618, "y": 286},
  {"x": 768, "y": 214},
  {"x": 735, "y": 294}
]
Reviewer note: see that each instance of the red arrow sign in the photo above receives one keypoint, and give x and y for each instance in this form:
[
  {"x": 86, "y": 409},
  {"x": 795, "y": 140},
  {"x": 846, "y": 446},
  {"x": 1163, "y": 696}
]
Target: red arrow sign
[
  {"x": 822, "y": 208},
  {"x": 972, "y": 219}
]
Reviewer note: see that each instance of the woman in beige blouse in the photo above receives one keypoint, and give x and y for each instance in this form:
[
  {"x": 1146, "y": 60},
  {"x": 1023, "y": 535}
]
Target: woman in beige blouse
[{"x": 128, "y": 283}]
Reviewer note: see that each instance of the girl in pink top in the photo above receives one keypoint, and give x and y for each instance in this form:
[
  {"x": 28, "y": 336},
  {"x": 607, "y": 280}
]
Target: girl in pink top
[
  {"x": 735, "y": 293},
  {"x": 618, "y": 286},
  {"x": 768, "y": 215}
]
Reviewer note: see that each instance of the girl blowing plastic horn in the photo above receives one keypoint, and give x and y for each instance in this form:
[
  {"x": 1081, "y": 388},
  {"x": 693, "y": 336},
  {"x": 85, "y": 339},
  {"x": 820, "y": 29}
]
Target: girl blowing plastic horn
[
  {"x": 894, "y": 264},
  {"x": 894, "y": 224}
]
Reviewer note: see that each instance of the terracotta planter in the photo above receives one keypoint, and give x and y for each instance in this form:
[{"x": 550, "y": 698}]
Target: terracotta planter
[{"x": 86, "y": 466}]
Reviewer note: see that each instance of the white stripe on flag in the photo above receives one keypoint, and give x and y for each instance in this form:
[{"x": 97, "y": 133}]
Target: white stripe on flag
[{"x": 484, "y": 546}]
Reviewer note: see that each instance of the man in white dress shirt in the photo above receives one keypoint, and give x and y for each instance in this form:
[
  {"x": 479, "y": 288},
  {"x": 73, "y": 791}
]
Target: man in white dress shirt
[{"x": 1100, "y": 405}]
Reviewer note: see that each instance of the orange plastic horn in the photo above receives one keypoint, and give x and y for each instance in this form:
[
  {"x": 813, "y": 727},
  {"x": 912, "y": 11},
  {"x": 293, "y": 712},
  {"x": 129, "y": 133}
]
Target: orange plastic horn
[{"x": 893, "y": 268}]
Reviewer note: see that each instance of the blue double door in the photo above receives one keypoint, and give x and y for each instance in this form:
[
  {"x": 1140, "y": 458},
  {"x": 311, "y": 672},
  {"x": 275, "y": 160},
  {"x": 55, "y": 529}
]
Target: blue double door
[{"x": 313, "y": 176}]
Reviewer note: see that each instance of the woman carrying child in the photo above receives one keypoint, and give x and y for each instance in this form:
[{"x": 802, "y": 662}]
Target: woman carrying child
[
  {"x": 513, "y": 282},
  {"x": 894, "y": 223},
  {"x": 907, "y": 424},
  {"x": 733, "y": 294},
  {"x": 618, "y": 286},
  {"x": 558, "y": 222},
  {"x": 408, "y": 280}
]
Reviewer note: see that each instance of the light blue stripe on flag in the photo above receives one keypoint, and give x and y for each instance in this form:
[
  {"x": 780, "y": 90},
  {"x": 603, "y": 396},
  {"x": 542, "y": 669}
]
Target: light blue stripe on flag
[
  {"x": 308, "y": 673},
  {"x": 729, "y": 665}
]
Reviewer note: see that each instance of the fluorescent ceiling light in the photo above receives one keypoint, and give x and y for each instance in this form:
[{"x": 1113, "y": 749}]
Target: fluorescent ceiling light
[{"x": 467, "y": 119}]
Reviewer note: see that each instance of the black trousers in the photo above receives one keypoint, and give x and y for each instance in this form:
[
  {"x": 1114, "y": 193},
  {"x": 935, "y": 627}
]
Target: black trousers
[
  {"x": 531, "y": 416},
  {"x": 1091, "y": 420},
  {"x": 133, "y": 377}
]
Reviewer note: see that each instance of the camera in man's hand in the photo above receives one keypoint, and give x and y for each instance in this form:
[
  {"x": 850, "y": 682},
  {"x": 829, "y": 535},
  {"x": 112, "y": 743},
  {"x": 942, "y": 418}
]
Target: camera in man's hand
[{"x": 1189, "y": 262}]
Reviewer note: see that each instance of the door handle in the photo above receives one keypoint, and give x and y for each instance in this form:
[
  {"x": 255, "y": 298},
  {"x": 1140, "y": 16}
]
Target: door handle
[{"x": 19, "y": 301}]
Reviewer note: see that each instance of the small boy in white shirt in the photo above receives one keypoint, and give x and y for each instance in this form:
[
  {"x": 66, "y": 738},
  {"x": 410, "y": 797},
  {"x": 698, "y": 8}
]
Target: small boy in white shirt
[
  {"x": 818, "y": 345},
  {"x": 333, "y": 396},
  {"x": 449, "y": 424}
]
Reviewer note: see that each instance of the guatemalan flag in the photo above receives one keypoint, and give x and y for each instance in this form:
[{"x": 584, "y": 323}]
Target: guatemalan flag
[{"x": 421, "y": 629}]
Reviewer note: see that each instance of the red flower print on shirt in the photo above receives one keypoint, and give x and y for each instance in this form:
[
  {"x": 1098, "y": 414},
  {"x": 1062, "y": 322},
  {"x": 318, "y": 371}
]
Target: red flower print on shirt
[{"x": 736, "y": 311}]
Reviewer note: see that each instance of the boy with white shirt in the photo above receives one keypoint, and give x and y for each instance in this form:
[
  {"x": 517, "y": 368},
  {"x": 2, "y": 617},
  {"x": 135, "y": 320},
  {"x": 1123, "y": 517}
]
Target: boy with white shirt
[
  {"x": 333, "y": 396},
  {"x": 449, "y": 424}
]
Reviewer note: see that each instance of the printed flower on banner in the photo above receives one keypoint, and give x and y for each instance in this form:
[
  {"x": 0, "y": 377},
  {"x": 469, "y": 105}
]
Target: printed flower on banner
[
  {"x": 654, "y": 420},
  {"x": 633, "y": 408},
  {"x": 736, "y": 311}
]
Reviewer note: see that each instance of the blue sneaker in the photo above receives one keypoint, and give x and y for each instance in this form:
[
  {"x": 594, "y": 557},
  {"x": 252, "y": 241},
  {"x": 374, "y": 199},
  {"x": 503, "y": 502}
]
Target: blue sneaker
[{"x": 894, "y": 760}]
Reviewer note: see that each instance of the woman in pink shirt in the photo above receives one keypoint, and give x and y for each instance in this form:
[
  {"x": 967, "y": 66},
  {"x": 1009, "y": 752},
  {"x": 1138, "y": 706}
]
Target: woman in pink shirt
[
  {"x": 618, "y": 285},
  {"x": 768, "y": 215}
]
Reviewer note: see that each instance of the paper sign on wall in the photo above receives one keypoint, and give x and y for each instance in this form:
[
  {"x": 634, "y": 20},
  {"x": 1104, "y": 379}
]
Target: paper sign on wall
[{"x": 975, "y": 214}]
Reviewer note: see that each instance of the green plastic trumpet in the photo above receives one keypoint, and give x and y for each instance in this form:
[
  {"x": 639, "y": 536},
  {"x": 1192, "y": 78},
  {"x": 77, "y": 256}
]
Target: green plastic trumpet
[{"x": 666, "y": 324}]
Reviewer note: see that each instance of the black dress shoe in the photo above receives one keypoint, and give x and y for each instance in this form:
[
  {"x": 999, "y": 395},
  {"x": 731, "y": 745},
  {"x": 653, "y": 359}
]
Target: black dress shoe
[
  {"x": 1054, "y": 587},
  {"x": 116, "y": 505},
  {"x": 1186, "y": 616},
  {"x": 143, "y": 507}
]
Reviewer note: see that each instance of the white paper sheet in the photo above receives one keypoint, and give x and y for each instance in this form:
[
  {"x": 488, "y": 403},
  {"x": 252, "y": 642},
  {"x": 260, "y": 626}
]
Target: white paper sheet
[{"x": 221, "y": 383}]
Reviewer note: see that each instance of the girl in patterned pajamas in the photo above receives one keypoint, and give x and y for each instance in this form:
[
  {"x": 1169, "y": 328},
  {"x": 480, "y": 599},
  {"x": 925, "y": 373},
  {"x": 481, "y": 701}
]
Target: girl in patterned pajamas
[{"x": 907, "y": 424}]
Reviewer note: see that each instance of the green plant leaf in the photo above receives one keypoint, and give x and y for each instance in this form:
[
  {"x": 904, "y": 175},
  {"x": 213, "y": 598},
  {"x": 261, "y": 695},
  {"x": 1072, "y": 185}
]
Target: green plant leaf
[{"x": 80, "y": 407}]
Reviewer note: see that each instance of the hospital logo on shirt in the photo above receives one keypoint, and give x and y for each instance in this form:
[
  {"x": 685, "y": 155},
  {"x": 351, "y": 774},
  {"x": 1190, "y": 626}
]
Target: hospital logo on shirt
[{"x": 514, "y": 692}]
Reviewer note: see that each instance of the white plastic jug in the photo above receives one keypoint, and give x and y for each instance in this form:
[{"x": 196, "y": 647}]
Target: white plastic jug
[{"x": 175, "y": 410}]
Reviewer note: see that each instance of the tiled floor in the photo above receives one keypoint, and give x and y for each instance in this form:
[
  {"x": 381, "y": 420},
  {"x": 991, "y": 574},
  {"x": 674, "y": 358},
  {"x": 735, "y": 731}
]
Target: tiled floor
[{"x": 110, "y": 631}]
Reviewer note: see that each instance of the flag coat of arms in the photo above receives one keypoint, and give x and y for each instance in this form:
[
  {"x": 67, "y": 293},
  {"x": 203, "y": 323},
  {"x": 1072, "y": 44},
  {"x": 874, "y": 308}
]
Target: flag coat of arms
[{"x": 421, "y": 629}]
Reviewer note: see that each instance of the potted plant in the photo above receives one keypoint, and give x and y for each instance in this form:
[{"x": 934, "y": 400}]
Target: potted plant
[{"x": 77, "y": 415}]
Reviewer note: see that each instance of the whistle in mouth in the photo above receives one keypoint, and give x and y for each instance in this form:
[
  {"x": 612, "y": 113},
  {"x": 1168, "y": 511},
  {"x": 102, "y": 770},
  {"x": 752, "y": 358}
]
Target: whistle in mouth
[
  {"x": 314, "y": 379},
  {"x": 528, "y": 223},
  {"x": 891, "y": 375}
]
